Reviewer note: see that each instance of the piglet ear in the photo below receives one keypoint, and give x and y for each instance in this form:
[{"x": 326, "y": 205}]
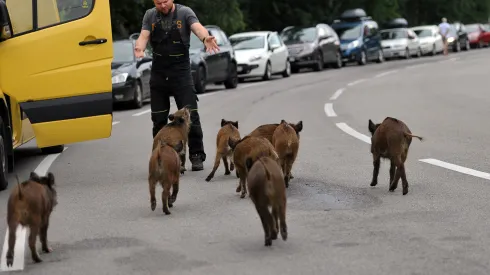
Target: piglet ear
[
  {"x": 223, "y": 122},
  {"x": 299, "y": 126},
  {"x": 34, "y": 176},
  {"x": 283, "y": 121},
  {"x": 171, "y": 117},
  {"x": 50, "y": 179},
  {"x": 235, "y": 124},
  {"x": 371, "y": 127}
]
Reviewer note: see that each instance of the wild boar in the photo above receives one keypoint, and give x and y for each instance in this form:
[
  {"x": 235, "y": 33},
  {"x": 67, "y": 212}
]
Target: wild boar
[
  {"x": 249, "y": 147},
  {"x": 286, "y": 142},
  {"x": 229, "y": 129},
  {"x": 174, "y": 132},
  {"x": 164, "y": 168},
  {"x": 265, "y": 181},
  {"x": 391, "y": 140}
]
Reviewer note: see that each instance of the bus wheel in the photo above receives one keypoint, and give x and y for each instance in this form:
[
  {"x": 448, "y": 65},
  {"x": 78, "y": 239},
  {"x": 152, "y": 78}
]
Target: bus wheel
[{"x": 3, "y": 158}]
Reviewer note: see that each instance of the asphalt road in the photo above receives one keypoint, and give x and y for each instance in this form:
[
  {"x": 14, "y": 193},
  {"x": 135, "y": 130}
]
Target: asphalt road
[{"x": 338, "y": 224}]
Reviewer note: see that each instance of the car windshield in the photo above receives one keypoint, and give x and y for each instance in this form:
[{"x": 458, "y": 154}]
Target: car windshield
[
  {"x": 472, "y": 28},
  {"x": 389, "y": 35},
  {"x": 349, "y": 33},
  {"x": 195, "y": 43},
  {"x": 247, "y": 42},
  {"x": 298, "y": 35},
  {"x": 423, "y": 32},
  {"x": 123, "y": 52}
]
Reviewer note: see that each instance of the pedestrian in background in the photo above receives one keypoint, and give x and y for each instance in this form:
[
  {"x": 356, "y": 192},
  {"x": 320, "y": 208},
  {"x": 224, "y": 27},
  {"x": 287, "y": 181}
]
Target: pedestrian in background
[{"x": 444, "y": 28}]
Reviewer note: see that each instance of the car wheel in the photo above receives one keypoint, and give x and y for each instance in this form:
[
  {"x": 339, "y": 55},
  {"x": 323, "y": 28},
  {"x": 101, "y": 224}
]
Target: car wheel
[
  {"x": 319, "y": 65},
  {"x": 232, "y": 80},
  {"x": 268, "y": 71},
  {"x": 407, "y": 54},
  {"x": 362, "y": 60},
  {"x": 138, "y": 96},
  {"x": 338, "y": 62},
  {"x": 458, "y": 46},
  {"x": 3, "y": 157},
  {"x": 200, "y": 84},
  {"x": 52, "y": 149},
  {"x": 380, "y": 56},
  {"x": 287, "y": 71},
  {"x": 419, "y": 52}
]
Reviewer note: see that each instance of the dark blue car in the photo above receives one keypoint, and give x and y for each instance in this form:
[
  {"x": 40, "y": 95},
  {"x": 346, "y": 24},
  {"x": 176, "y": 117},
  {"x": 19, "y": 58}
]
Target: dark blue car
[{"x": 360, "y": 40}]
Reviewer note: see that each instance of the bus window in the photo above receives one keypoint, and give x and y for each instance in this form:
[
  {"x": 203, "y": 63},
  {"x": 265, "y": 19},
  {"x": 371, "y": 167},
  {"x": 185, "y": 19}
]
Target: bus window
[{"x": 20, "y": 12}]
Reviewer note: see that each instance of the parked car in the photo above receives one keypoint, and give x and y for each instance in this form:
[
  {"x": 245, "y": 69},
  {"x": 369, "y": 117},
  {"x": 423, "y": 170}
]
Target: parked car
[
  {"x": 429, "y": 38},
  {"x": 260, "y": 54},
  {"x": 312, "y": 47},
  {"x": 218, "y": 68},
  {"x": 400, "y": 42},
  {"x": 359, "y": 37},
  {"x": 458, "y": 38},
  {"x": 130, "y": 76},
  {"x": 478, "y": 34}
]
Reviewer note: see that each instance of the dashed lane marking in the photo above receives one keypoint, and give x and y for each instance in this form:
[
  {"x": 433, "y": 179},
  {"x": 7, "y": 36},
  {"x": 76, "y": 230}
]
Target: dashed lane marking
[
  {"x": 385, "y": 73},
  {"x": 329, "y": 110},
  {"x": 457, "y": 168},
  {"x": 347, "y": 129},
  {"x": 356, "y": 82},
  {"x": 337, "y": 94}
]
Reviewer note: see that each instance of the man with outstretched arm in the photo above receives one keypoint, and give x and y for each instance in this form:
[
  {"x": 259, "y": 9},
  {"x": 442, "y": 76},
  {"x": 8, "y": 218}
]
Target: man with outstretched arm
[{"x": 168, "y": 28}]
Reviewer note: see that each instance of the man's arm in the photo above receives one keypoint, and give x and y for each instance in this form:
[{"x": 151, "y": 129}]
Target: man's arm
[
  {"x": 144, "y": 35},
  {"x": 196, "y": 27}
]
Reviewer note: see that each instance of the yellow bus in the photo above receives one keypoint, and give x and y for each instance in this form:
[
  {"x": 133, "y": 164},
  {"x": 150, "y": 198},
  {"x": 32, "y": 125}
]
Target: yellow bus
[{"x": 55, "y": 75}]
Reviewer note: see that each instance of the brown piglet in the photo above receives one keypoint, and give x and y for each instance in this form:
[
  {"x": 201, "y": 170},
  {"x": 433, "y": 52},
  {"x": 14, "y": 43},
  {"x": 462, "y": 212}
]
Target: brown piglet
[
  {"x": 30, "y": 204},
  {"x": 265, "y": 181},
  {"x": 286, "y": 142},
  {"x": 249, "y": 147},
  {"x": 229, "y": 129},
  {"x": 267, "y": 131},
  {"x": 391, "y": 140},
  {"x": 174, "y": 132},
  {"x": 164, "y": 168}
]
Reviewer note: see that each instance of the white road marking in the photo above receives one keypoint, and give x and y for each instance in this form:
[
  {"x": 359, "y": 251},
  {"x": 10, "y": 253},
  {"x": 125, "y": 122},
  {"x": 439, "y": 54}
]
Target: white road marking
[
  {"x": 329, "y": 110},
  {"x": 386, "y": 73},
  {"x": 21, "y": 233},
  {"x": 337, "y": 94},
  {"x": 344, "y": 127},
  {"x": 356, "y": 82},
  {"x": 457, "y": 168},
  {"x": 115, "y": 122}
]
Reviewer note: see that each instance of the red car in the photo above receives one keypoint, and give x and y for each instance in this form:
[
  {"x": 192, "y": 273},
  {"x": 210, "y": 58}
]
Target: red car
[{"x": 478, "y": 34}]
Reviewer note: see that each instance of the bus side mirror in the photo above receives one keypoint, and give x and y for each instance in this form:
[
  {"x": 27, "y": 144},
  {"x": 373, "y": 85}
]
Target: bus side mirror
[{"x": 5, "y": 29}]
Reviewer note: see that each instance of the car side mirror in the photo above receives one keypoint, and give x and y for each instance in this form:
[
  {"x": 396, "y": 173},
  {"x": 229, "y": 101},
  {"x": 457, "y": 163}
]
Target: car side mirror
[{"x": 273, "y": 48}]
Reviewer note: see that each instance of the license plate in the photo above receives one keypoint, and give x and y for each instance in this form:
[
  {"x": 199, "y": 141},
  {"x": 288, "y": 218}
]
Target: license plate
[{"x": 240, "y": 68}]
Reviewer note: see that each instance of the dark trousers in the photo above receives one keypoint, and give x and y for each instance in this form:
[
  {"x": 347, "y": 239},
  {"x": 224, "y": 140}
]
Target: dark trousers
[{"x": 181, "y": 87}]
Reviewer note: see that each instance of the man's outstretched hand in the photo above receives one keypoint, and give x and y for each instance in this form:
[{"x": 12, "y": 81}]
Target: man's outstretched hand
[
  {"x": 139, "y": 53},
  {"x": 210, "y": 43}
]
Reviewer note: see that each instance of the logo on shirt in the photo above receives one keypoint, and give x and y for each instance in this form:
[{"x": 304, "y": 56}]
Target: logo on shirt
[{"x": 179, "y": 24}]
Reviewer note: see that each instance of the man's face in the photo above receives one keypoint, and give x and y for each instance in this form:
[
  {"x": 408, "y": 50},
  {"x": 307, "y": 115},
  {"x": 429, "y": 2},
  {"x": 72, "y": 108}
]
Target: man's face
[{"x": 163, "y": 6}]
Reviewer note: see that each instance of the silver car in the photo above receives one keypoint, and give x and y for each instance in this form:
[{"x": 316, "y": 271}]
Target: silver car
[{"x": 400, "y": 42}]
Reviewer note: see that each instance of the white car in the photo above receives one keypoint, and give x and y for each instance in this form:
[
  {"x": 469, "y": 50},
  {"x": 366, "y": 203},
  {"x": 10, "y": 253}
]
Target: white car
[
  {"x": 260, "y": 54},
  {"x": 400, "y": 42},
  {"x": 430, "y": 39}
]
